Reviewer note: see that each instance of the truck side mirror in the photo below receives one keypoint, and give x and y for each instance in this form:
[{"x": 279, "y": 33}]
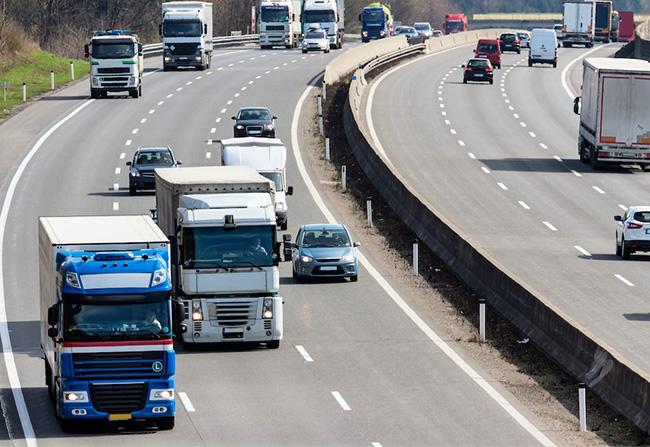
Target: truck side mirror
[
  {"x": 288, "y": 251},
  {"x": 53, "y": 315},
  {"x": 359, "y": 17},
  {"x": 290, "y": 191},
  {"x": 160, "y": 30},
  {"x": 87, "y": 50},
  {"x": 52, "y": 332},
  {"x": 286, "y": 238},
  {"x": 140, "y": 49},
  {"x": 179, "y": 311},
  {"x": 576, "y": 105},
  {"x": 205, "y": 28}
]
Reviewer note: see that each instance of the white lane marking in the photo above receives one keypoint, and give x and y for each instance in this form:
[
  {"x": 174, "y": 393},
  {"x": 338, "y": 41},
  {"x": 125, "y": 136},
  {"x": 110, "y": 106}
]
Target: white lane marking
[
  {"x": 186, "y": 402},
  {"x": 303, "y": 352},
  {"x": 440, "y": 91},
  {"x": 504, "y": 95},
  {"x": 550, "y": 226},
  {"x": 502, "y": 186},
  {"x": 236, "y": 95},
  {"x": 208, "y": 155},
  {"x": 440, "y": 98},
  {"x": 576, "y": 173},
  {"x": 461, "y": 142},
  {"x": 134, "y": 131},
  {"x": 188, "y": 83},
  {"x": 484, "y": 169},
  {"x": 213, "y": 130},
  {"x": 471, "y": 155},
  {"x": 392, "y": 293},
  {"x": 285, "y": 64},
  {"x": 503, "y": 89},
  {"x": 507, "y": 101},
  {"x": 220, "y": 68},
  {"x": 623, "y": 207},
  {"x": 598, "y": 190},
  {"x": 582, "y": 250},
  {"x": 243, "y": 88},
  {"x": 116, "y": 186},
  {"x": 198, "y": 77},
  {"x": 179, "y": 89},
  {"x": 524, "y": 205},
  {"x": 116, "y": 206},
  {"x": 258, "y": 76},
  {"x": 341, "y": 401},
  {"x": 532, "y": 134},
  {"x": 223, "y": 110},
  {"x": 453, "y": 131},
  {"x": 444, "y": 113},
  {"x": 208, "y": 73},
  {"x": 209, "y": 142},
  {"x": 516, "y": 115},
  {"x": 241, "y": 62},
  {"x": 543, "y": 146},
  {"x": 229, "y": 102},
  {"x": 267, "y": 72},
  {"x": 128, "y": 142},
  {"x": 161, "y": 103},
  {"x": 152, "y": 72},
  {"x": 152, "y": 111},
  {"x": 623, "y": 280},
  {"x": 118, "y": 171},
  {"x": 251, "y": 59},
  {"x": 565, "y": 83},
  {"x": 218, "y": 120},
  {"x": 143, "y": 120},
  {"x": 122, "y": 155},
  {"x": 251, "y": 82},
  {"x": 376, "y": 444},
  {"x": 511, "y": 108},
  {"x": 447, "y": 122},
  {"x": 557, "y": 158},
  {"x": 442, "y": 106},
  {"x": 522, "y": 124},
  {"x": 170, "y": 95},
  {"x": 230, "y": 65}
]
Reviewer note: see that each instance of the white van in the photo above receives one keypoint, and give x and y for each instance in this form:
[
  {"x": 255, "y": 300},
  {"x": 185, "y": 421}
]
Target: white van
[
  {"x": 268, "y": 156},
  {"x": 543, "y": 47}
]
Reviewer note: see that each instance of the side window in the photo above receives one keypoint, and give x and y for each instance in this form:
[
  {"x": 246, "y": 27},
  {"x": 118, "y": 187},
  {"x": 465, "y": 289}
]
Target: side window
[
  {"x": 626, "y": 215},
  {"x": 298, "y": 236}
]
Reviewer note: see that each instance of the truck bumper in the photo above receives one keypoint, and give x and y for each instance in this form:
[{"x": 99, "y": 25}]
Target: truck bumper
[
  {"x": 182, "y": 61},
  {"x": 114, "y": 83},
  {"x": 271, "y": 40}
]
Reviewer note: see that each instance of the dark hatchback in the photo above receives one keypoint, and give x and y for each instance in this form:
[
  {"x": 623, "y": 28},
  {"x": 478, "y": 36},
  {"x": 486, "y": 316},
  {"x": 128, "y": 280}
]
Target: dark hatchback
[
  {"x": 145, "y": 160},
  {"x": 478, "y": 70},
  {"x": 510, "y": 42},
  {"x": 254, "y": 122}
]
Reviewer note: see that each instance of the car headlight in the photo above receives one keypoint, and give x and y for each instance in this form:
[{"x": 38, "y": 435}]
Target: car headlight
[
  {"x": 267, "y": 313},
  {"x": 365, "y": 34},
  {"x": 239, "y": 127},
  {"x": 134, "y": 173},
  {"x": 167, "y": 58},
  {"x": 268, "y": 126},
  {"x": 197, "y": 311},
  {"x": 75, "y": 397},
  {"x": 166, "y": 394},
  {"x": 72, "y": 280},
  {"x": 159, "y": 276},
  {"x": 348, "y": 258},
  {"x": 304, "y": 258}
]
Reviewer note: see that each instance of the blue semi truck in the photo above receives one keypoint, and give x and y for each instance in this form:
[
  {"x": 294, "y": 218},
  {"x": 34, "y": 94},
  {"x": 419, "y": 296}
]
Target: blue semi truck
[
  {"x": 106, "y": 319},
  {"x": 376, "y": 22}
]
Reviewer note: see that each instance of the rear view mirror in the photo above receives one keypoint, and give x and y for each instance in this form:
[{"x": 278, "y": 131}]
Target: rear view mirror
[
  {"x": 576, "y": 105},
  {"x": 52, "y": 332},
  {"x": 160, "y": 30},
  {"x": 86, "y": 50},
  {"x": 139, "y": 49},
  {"x": 286, "y": 238},
  {"x": 53, "y": 315},
  {"x": 180, "y": 311},
  {"x": 275, "y": 117},
  {"x": 128, "y": 163},
  {"x": 290, "y": 191},
  {"x": 233, "y": 118},
  {"x": 618, "y": 218},
  {"x": 357, "y": 244},
  {"x": 205, "y": 29},
  {"x": 178, "y": 162}
]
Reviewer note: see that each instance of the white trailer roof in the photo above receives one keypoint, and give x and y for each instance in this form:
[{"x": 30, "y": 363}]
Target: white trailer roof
[
  {"x": 610, "y": 63},
  {"x": 202, "y": 175},
  {"x": 259, "y": 157},
  {"x": 184, "y": 5},
  {"x": 95, "y": 230}
]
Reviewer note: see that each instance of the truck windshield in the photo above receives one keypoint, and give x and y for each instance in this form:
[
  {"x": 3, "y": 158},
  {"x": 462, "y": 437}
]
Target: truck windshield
[
  {"x": 112, "y": 50},
  {"x": 373, "y": 16},
  {"x": 276, "y": 177},
  {"x": 118, "y": 320},
  {"x": 275, "y": 14},
  {"x": 455, "y": 25},
  {"x": 182, "y": 28},
  {"x": 319, "y": 17},
  {"x": 217, "y": 247}
]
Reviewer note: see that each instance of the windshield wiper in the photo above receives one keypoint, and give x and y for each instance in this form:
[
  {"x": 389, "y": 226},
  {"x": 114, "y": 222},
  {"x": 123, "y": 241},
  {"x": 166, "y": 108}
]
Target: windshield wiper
[
  {"x": 213, "y": 263},
  {"x": 251, "y": 263}
]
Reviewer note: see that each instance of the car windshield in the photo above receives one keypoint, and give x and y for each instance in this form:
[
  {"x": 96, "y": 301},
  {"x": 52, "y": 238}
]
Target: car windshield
[
  {"x": 373, "y": 16},
  {"x": 325, "y": 238},
  {"x": 642, "y": 216},
  {"x": 113, "y": 50},
  {"x": 183, "y": 28},
  {"x": 275, "y": 177},
  {"x": 275, "y": 14},
  {"x": 318, "y": 16},
  {"x": 107, "y": 319},
  {"x": 159, "y": 158},
  {"x": 487, "y": 48},
  {"x": 508, "y": 38},
  {"x": 422, "y": 26},
  {"x": 254, "y": 114},
  {"x": 315, "y": 35},
  {"x": 218, "y": 247},
  {"x": 522, "y": 36},
  {"x": 478, "y": 63}
]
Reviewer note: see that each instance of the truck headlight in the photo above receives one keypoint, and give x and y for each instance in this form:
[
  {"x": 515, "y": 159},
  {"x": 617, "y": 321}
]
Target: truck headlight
[
  {"x": 348, "y": 258},
  {"x": 165, "y": 394},
  {"x": 159, "y": 276},
  {"x": 95, "y": 81},
  {"x": 75, "y": 397},
  {"x": 382, "y": 33},
  {"x": 365, "y": 34},
  {"x": 304, "y": 258},
  {"x": 197, "y": 311},
  {"x": 72, "y": 280},
  {"x": 198, "y": 58},
  {"x": 268, "y": 309}
]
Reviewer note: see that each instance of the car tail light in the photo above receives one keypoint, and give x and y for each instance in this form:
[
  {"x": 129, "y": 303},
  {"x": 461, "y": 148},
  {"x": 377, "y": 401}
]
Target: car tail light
[
  {"x": 468, "y": 68},
  {"x": 488, "y": 68},
  {"x": 634, "y": 226}
]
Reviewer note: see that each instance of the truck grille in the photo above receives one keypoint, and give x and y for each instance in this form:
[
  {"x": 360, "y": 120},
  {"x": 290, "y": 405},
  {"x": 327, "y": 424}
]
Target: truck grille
[
  {"x": 183, "y": 49},
  {"x": 118, "y": 364},
  {"x": 116, "y": 79},
  {"x": 119, "y": 397},
  {"x": 275, "y": 27},
  {"x": 113, "y": 70},
  {"x": 233, "y": 313}
]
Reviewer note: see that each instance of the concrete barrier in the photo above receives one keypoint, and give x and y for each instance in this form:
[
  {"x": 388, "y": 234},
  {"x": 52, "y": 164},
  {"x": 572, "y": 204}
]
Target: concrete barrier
[{"x": 587, "y": 358}]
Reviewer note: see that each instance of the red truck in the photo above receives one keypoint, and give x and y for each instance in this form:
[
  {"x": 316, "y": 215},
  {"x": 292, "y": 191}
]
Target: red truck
[
  {"x": 455, "y": 23},
  {"x": 625, "y": 26}
]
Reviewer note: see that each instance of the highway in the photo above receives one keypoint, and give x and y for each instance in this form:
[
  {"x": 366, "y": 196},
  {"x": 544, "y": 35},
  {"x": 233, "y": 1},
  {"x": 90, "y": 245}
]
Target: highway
[
  {"x": 354, "y": 367},
  {"x": 500, "y": 163}
]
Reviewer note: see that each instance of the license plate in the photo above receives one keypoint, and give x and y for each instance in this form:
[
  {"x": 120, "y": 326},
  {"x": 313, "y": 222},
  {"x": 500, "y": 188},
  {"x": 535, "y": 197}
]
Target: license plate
[
  {"x": 120, "y": 417},
  {"x": 233, "y": 330},
  {"x": 329, "y": 268},
  {"x": 478, "y": 75}
]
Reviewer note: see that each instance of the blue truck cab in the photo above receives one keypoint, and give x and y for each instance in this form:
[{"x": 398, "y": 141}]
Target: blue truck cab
[
  {"x": 376, "y": 22},
  {"x": 106, "y": 320}
]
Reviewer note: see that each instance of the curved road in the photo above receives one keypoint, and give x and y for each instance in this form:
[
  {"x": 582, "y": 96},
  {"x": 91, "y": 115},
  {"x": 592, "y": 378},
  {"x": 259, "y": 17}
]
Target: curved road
[
  {"x": 375, "y": 377},
  {"x": 500, "y": 162}
]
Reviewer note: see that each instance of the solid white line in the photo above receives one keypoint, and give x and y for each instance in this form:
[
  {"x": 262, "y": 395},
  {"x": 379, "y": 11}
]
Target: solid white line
[
  {"x": 186, "y": 402},
  {"x": 557, "y": 158},
  {"x": 208, "y": 155},
  {"x": 623, "y": 207},
  {"x": 582, "y": 250},
  {"x": 598, "y": 190},
  {"x": 484, "y": 169},
  {"x": 128, "y": 142},
  {"x": 152, "y": 72},
  {"x": 550, "y": 227},
  {"x": 543, "y": 146},
  {"x": 116, "y": 206},
  {"x": 303, "y": 352},
  {"x": 392, "y": 293},
  {"x": 502, "y": 186},
  {"x": 461, "y": 142},
  {"x": 576, "y": 173},
  {"x": 213, "y": 130},
  {"x": 134, "y": 131},
  {"x": 117, "y": 171},
  {"x": 565, "y": 84},
  {"x": 471, "y": 155},
  {"x": 116, "y": 186},
  {"x": 122, "y": 155},
  {"x": 524, "y": 205},
  {"x": 341, "y": 401},
  {"x": 623, "y": 280}
]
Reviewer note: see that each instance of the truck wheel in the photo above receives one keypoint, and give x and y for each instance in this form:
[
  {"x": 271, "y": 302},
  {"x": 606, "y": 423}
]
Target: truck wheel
[
  {"x": 166, "y": 423},
  {"x": 273, "y": 344},
  {"x": 94, "y": 94},
  {"x": 134, "y": 93},
  {"x": 354, "y": 278},
  {"x": 583, "y": 153},
  {"x": 48, "y": 380},
  {"x": 140, "y": 89},
  {"x": 68, "y": 426},
  {"x": 593, "y": 159},
  {"x": 530, "y": 63},
  {"x": 555, "y": 64}
]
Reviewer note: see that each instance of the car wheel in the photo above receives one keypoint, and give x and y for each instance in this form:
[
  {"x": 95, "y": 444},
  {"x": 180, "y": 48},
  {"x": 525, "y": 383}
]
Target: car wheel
[
  {"x": 530, "y": 63},
  {"x": 132, "y": 190},
  {"x": 304, "y": 51},
  {"x": 554, "y": 64},
  {"x": 491, "y": 81},
  {"x": 464, "y": 81},
  {"x": 273, "y": 344},
  {"x": 354, "y": 278},
  {"x": 165, "y": 423},
  {"x": 625, "y": 251},
  {"x": 618, "y": 247}
]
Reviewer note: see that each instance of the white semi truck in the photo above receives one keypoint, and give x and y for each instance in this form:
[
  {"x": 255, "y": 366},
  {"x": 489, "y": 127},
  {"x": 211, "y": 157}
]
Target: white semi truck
[
  {"x": 280, "y": 23},
  {"x": 116, "y": 63},
  {"x": 268, "y": 156},
  {"x": 329, "y": 15},
  {"x": 614, "y": 118},
  {"x": 187, "y": 35},
  {"x": 225, "y": 268},
  {"x": 578, "y": 26}
]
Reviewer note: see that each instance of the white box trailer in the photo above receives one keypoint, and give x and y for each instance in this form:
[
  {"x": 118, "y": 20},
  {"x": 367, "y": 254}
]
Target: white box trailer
[
  {"x": 614, "y": 118},
  {"x": 578, "y": 23}
]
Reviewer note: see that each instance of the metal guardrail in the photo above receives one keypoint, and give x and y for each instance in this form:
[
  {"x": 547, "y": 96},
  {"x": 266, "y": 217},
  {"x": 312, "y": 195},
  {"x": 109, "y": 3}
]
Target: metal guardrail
[
  {"x": 393, "y": 56},
  {"x": 218, "y": 42}
]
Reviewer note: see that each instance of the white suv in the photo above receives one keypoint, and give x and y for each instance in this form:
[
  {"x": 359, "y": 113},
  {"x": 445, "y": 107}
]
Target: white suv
[{"x": 633, "y": 231}]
